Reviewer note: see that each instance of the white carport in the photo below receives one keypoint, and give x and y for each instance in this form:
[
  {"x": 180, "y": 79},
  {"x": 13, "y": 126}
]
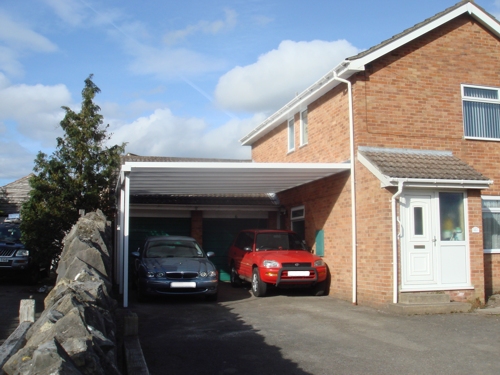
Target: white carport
[{"x": 170, "y": 178}]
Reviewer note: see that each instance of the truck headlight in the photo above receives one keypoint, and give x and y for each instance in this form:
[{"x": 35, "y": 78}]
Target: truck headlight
[{"x": 22, "y": 253}]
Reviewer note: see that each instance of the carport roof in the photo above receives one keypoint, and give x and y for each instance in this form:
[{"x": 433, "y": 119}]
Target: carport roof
[{"x": 211, "y": 176}]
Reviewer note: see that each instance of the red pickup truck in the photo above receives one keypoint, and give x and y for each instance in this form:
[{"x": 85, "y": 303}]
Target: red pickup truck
[{"x": 275, "y": 257}]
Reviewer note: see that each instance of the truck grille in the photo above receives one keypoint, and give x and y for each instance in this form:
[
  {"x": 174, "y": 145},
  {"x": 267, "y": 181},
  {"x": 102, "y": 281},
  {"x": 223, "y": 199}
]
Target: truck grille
[{"x": 7, "y": 251}]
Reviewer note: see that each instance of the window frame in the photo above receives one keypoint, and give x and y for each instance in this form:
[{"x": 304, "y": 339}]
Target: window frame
[
  {"x": 304, "y": 128},
  {"x": 489, "y": 210},
  {"x": 478, "y": 100},
  {"x": 291, "y": 135}
]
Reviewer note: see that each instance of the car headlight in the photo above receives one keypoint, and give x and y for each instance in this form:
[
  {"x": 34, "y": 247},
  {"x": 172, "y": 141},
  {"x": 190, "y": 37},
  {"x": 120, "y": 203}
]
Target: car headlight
[
  {"x": 208, "y": 274},
  {"x": 22, "y": 253},
  {"x": 319, "y": 262},
  {"x": 271, "y": 264},
  {"x": 160, "y": 274},
  {"x": 150, "y": 274}
]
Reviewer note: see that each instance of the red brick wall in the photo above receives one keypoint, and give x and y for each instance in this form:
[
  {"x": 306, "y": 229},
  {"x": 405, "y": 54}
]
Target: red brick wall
[
  {"x": 410, "y": 98},
  {"x": 197, "y": 226},
  {"x": 492, "y": 274},
  {"x": 328, "y": 138},
  {"x": 327, "y": 207}
]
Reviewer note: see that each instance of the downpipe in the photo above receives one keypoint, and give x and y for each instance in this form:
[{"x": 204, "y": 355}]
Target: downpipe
[
  {"x": 395, "y": 238},
  {"x": 353, "y": 190}
]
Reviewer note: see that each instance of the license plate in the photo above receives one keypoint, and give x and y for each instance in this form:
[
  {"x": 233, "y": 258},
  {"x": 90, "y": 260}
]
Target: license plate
[
  {"x": 298, "y": 273},
  {"x": 177, "y": 284},
  {"x": 4, "y": 260}
]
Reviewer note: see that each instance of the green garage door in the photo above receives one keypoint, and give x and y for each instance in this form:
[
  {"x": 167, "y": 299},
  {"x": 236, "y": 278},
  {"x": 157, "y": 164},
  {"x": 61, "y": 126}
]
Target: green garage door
[
  {"x": 218, "y": 234},
  {"x": 142, "y": 227}
]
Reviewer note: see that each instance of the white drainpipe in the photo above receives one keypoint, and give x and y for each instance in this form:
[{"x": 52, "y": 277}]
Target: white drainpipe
[
  {"x": 395, "y": 242},
  {"x": 353, "y": 189}
]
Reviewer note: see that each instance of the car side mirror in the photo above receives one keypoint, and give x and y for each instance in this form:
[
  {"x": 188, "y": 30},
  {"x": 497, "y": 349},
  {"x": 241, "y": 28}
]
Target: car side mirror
[{"x": 210, "y": 254}]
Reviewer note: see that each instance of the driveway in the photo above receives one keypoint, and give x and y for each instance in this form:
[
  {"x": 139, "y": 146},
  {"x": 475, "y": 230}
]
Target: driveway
[{"x": 291, "y": 332}]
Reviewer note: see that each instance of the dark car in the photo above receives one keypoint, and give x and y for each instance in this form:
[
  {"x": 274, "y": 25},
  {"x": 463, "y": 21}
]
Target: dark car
[
  {"x": 174, "y": 265},
  {"x": 278, "y": 258},
  {"x": 15, "y": 259}
]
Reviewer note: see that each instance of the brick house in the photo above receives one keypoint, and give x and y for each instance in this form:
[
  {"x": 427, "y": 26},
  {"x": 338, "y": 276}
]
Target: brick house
[
  {"x": 419, "y": 117},
  {"x": 387, "y": 166}
]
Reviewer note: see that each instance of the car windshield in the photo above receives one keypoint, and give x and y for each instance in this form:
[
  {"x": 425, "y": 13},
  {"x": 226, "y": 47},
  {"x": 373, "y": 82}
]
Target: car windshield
[
  {"x": 279, "y": 241},
  {"x": 174, "y": 249},
  {"x": 10, "y": 233}
]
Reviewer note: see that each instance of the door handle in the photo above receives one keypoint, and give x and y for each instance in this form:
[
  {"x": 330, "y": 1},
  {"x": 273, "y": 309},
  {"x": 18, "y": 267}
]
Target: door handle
[{"x": 434, "y": 240}]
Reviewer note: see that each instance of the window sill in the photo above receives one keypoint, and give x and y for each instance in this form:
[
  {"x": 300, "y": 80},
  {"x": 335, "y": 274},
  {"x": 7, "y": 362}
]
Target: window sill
[{"x": 492, "y": 251}]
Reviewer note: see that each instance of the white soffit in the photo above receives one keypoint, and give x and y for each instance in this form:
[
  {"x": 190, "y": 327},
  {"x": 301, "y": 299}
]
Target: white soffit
[{"x": 223, "y": 178}]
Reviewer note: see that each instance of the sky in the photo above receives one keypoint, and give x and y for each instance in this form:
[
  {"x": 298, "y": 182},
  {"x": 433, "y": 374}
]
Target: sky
[{"x": 177, "y": 78}]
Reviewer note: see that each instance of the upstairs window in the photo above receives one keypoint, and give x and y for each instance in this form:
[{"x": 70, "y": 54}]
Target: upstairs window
[
  {"x": 291, "y": 135},
  {"x": 481, "y": 111},
  {"x": 303, "y": 128}
]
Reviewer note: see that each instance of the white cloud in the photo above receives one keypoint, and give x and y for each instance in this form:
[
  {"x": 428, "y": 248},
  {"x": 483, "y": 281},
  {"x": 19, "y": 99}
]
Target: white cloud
[
  {"x": 204, "y": 27},
  {"x": 15, "y": 39},
  {"x": 21, "y": 37},
  {"x": 274, "y": 79},
  {"x": 36, "y": 109},
  {"x": 163, "y": 134},
  {"x": 16, "y": 162},
  {"x": 72, "y": 12},
  {"x": 166, "y": 63}
]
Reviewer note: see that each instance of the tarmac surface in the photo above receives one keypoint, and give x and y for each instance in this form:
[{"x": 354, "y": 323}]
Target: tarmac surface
[{"x": 291, "y": 332}]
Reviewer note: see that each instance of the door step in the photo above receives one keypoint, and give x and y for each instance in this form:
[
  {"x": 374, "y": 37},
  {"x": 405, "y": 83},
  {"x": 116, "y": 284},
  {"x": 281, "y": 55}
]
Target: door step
[{"x": 427, "y": 303}]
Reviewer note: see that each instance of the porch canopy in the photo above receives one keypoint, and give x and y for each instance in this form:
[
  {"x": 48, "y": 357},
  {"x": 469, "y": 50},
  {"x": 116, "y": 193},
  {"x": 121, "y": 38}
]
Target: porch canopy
[{"x": 199, "y": 178}]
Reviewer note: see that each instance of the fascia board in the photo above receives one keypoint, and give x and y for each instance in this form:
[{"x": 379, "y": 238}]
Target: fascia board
[
  {"x": 466, "y": 8},
  {"x": 228, "y": 165},
  {"x": 442, "y": 184}
]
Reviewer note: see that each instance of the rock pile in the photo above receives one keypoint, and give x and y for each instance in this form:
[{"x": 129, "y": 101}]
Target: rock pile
[{"x": 76, "y": 333}]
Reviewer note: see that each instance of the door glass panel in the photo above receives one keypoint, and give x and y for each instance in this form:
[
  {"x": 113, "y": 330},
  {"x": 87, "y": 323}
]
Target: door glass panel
[
  {"x": 418, "y": 219},
  {"x": 451, "y": 213}
]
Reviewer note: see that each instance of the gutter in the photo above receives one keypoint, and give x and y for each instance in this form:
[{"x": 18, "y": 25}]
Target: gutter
[
  {"x": 395, "y": 238},
  {"x": 353, "y": 187}
]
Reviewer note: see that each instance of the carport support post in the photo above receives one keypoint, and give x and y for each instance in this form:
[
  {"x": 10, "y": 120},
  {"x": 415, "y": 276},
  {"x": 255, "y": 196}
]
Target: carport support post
[
  {"x": 126, "y": 238},
  {"x": 120, "y": 238}
]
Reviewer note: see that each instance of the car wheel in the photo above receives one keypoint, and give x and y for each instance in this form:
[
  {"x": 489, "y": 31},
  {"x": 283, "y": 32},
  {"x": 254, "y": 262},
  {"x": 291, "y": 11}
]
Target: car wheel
[
  {"x": 318, "y": 289},
  {"x": 211, "y": 297},
  {"x": 259, "y": 288},
  {"x": 235, "y": 279}
]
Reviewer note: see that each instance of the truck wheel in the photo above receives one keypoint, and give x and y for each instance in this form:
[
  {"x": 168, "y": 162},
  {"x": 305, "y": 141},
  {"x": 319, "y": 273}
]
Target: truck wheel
[{"x": 259, "y": 288}]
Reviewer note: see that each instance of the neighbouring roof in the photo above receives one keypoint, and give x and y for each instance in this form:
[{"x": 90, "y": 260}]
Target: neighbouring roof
[
  {"x": 169, "y": 159},
  {"x": 419, "y": 167},
  {"x": 357, "y": 63}
]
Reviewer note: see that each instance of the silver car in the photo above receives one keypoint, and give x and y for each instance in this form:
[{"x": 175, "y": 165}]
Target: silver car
[{"x": 174, "y": 265}]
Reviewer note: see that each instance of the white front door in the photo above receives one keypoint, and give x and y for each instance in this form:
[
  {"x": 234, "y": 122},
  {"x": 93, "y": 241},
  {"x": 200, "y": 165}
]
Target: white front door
[{"x": 434, "y": 250}]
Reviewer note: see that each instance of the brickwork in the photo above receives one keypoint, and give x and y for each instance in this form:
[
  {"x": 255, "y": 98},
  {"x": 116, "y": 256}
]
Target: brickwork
[
  {"x": 327, "y": 206},
  {"x": 197, "y": 226},
  {"x": 492, "y": 274},
  {"x": 409, "y": 98}
]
